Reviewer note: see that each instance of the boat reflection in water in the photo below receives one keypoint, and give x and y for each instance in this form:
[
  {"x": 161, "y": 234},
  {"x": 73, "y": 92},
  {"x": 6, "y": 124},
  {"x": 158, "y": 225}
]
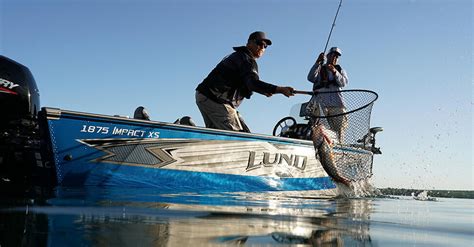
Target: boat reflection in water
[{"x": 145, "y": 218}]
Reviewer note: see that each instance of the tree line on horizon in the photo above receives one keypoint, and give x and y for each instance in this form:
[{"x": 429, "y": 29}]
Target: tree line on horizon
[{"x": 467, "y": 194}]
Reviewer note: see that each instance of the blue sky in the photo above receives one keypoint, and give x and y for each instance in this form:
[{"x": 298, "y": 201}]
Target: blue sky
[{"x": 109, "y": 57}]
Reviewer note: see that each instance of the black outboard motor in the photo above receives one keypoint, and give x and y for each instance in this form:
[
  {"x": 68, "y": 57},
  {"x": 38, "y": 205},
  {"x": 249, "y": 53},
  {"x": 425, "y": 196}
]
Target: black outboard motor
[{"x": 19, "y": 131}]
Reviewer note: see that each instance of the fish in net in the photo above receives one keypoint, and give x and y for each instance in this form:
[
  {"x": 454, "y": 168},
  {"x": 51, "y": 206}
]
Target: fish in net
[{"x": 340, "y": 131}]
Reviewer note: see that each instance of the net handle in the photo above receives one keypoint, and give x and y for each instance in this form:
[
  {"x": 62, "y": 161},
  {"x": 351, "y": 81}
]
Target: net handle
[{"x": 335, "y": 91}]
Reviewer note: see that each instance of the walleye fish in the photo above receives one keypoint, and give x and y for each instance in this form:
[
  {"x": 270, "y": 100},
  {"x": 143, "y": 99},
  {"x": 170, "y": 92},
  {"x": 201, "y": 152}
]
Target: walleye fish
[
  {"x": 346, "y": 167},
  {"x": 323, "y": 146}
]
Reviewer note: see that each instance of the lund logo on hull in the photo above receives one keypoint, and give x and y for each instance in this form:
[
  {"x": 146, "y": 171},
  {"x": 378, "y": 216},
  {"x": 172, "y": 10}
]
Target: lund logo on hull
[{"x": 269, "y": 160}]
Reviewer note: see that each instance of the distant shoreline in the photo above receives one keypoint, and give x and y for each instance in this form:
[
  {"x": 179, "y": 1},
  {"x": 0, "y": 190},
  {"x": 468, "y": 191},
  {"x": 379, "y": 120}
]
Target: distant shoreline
[{"x": 465, "y": 194}]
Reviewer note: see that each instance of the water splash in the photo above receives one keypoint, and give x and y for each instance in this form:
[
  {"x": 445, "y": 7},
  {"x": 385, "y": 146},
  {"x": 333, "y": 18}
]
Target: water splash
[
  {"x": 358, "y": 189},
  {"x": 423, "y": 196}
]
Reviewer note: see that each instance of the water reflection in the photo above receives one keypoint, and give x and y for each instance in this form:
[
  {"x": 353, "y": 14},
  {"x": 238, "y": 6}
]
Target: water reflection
[{"x": 127, "y": 217}]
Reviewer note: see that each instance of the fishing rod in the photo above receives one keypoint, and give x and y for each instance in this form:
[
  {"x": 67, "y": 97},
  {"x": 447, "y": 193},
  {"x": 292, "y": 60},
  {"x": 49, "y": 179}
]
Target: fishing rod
[{"x": 332, "y": 27}]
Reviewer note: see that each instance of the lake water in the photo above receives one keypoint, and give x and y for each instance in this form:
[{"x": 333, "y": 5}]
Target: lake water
[{"x": 145, "y": 217}]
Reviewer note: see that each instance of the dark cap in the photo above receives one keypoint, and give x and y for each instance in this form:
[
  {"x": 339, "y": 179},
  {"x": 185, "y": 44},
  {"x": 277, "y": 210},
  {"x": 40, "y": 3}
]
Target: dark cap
[{"x": 260, "y": 36}]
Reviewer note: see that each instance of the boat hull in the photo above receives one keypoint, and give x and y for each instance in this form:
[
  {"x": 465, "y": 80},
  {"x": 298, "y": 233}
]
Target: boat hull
[{"x": 98, "y": 150}]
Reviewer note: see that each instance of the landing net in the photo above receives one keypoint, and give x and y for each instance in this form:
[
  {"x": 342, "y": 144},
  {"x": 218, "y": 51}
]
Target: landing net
[
  {"x": 345, "y": 119},
  {"x": 346, "y": 113}
]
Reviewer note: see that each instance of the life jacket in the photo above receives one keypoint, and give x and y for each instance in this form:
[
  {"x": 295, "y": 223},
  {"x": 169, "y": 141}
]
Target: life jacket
[{"x": 325, "y": 82}]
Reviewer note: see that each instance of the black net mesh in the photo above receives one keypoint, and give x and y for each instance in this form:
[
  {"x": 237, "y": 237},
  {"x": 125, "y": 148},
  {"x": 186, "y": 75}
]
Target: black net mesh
[
  {"x": 353, "y": 166},
  {"x": 340, "y": 123},
  {"x": 346, "y": 113}
]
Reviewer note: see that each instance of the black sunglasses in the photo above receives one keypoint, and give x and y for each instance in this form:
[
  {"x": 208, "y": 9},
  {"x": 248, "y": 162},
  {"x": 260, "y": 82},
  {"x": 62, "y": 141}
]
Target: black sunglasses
[{"x": 261, "y": 43}]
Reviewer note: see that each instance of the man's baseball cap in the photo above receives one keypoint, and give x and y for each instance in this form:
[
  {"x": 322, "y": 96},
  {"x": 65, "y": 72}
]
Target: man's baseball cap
[
  {"x": 260, "y": 36},
  {"x": 336, "y": 50}
]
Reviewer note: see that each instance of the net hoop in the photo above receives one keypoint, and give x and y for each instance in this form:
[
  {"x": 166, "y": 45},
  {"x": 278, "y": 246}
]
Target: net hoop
[{"x": 362, "y": 91}]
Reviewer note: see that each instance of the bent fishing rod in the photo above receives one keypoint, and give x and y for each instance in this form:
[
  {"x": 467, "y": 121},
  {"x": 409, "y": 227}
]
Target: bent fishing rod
[
  {"x": 325, "y": 48},
  {"x": 332, "y": 26}
]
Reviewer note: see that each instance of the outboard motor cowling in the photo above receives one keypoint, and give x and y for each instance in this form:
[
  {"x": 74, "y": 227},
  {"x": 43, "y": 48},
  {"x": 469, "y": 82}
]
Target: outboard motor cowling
[
  {"x": 19, "y": 131},
  {"x": 19, "y": 95}
]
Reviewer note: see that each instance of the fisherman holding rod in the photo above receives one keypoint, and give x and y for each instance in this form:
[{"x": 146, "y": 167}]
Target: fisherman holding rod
[{"x": 328, "y": 79}]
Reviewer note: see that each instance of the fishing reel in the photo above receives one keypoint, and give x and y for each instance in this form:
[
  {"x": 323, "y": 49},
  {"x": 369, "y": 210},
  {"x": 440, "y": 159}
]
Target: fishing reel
[{"x": 369, "y": 140}]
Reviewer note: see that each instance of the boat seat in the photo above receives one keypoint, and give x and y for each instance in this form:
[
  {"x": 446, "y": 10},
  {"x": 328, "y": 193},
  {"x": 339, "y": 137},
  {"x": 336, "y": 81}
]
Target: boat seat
[
  {"x": 141, "y": 113},
  {"x": 300, "y": 131},
  {"x": 374, "y": 130},
  {"x": 186, "y": 120}
]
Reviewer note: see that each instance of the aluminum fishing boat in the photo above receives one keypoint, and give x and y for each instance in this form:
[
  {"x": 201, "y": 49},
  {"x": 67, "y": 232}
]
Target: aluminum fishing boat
[{"x": 69, "y": 148}]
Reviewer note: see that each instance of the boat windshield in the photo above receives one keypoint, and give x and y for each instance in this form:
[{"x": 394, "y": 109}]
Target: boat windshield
[{"x": 295, "y": 112}]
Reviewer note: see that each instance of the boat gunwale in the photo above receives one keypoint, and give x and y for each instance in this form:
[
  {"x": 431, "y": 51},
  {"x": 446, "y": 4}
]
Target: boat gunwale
[{"x": 57, "y": 113}]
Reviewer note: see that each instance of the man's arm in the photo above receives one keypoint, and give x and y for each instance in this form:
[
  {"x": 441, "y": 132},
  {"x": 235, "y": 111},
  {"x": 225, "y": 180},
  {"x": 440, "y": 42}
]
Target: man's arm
[
  {"x": 340, "y": 77},
  {"x": 314, "y": 71},
  {"x": 253, "y": 82}
]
